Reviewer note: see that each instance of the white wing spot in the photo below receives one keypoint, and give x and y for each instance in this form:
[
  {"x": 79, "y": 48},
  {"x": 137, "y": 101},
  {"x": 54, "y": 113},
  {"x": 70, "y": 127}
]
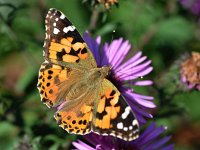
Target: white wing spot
[
  {"x": 130, "y": 127},
  {"x": 46, "y": 27},
  {"x": 56, "y": 31},
  {"x": 69, "y": 28},
  {"x": 62, "y": 16},
  {"x": 125, "y": 129},
  {"x": 46, "y": 35},
  {"x": 135, "y": 131},
  {"x": 56, "y": 19},
  {"x": 126, "y": 113},
  {"x": 120, "y": 125},
  {"x": 43, "y": 51},
  {"x": 54, "y": 24},
  {"x": 134, "y": 122}
]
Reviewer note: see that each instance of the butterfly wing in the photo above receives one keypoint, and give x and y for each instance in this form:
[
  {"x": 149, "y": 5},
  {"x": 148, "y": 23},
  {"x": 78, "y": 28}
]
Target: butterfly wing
[
  {"x": 113, "y": 116},
  {"x": 54, "y": 83},
  {"x": 63, "y": 44},
  {"x": 67, "y": 58},
  {"x": 76, "y": 117}
]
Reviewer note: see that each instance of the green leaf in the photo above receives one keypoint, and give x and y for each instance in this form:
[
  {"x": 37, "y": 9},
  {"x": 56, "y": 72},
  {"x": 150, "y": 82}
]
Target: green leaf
[
  {"x": 191, "y": 101},
  {"x": 107, "y": 28},
  {"x": 8, "y": 133},
  {"x": 26, "y": 79},
  {"x": 174, "y": 31}
]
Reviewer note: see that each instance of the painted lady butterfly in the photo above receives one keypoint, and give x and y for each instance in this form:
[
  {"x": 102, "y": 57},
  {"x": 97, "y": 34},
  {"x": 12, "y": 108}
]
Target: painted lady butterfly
[{"x": 70, "y": 80}]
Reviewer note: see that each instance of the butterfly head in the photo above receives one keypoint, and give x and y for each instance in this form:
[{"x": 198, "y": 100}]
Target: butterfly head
[{"x": 105, "y": 71}]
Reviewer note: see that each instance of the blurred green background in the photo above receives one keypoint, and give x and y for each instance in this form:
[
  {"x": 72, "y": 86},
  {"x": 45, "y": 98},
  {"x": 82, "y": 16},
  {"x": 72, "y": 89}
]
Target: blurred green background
[{"x": 163, "y": 30}]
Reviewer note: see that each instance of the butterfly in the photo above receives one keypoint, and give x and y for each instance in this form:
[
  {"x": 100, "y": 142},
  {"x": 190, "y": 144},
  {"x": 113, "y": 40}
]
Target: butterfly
[{"x": 70, "y": 80}]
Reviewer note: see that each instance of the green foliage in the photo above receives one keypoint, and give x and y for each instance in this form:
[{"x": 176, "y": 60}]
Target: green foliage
[{"x": 174, "y": 31}]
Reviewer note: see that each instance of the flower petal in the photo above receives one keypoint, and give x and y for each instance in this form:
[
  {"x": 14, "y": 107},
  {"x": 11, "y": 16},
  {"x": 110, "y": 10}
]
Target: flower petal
[
  {"x": 134, "y": 69},
  {"x": 159, "y": 143},
  {"x": 120, "y": 55},
  {"x": 113, "y": 49},
  {"x": 139, "y": 100},
  {"x": 82, "y": 146},
  {"x": 143, "y": 83},
  {"x": 132, "y": 62},
  {"x": 140, "y": 74}
]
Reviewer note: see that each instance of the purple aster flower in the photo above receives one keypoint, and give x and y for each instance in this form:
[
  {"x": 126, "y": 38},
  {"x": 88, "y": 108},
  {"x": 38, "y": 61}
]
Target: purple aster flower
[
  {"x": 190, "y": 71},
  {"x": 125, "y": 73},
  {"x": 150, "y": 139},
  {"x": 192, "y": 5}
]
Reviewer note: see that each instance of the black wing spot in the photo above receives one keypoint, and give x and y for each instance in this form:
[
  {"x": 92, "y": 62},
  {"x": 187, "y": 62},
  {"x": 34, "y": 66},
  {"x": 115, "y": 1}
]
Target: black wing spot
[
  {"x": 60, "y": 55},
  {"x": 50, "y": 91},
  {"x": 84, "y": 122},
  {"x": 44, "y": 100},
  {"x": 41, "y": 92},
  {"x": 50, "y": 72},
  {"x": 101, "y": 115},
  {"x": 84, "y": 51},
  {"x": 80, "y": 122},
  {"x": 74, "y": 121},
  {"x": 59, "y": 122},
  {"x": 48, "y": 84},
  {"x": 68, "y": 117},
  {"x": 49, "y": 77},
  {"x": 70, "y": 130},
  {"x": 112, "y": 93}
]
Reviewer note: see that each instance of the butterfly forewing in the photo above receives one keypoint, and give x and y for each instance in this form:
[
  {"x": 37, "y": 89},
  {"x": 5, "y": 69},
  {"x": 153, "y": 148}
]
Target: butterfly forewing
[{"x": 63, "y": 44}]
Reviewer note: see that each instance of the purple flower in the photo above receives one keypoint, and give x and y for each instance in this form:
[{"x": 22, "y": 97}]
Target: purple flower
[
  {"x": 150, "y": 139},
  {"x": 189, "y": 71},
  {"x": 192, "y": 5},
  {"x": 125, "y": 74}
]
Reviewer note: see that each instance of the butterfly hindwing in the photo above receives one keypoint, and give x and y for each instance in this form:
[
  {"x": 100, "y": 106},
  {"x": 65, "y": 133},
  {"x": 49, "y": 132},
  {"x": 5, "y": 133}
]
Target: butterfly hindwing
[
  {"x": 76, "y": 117},
  {"x": 113, "y": 116},
  {"x": 63, "y": 44},
  {"x": 54, "y": 82}
]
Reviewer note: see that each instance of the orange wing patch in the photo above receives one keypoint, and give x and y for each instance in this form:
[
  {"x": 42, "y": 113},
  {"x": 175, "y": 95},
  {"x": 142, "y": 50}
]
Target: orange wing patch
[
  {"x": 77, "y": 121},
  {"x": 106, "y": 109},
  {"x": 113, "y": 115},
  {"x": 50, "y": 75},
  {"x": 64, "y": 50}
]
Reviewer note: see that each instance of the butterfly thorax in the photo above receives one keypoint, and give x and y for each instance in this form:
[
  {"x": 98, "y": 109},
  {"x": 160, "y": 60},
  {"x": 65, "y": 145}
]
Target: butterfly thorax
[{"x": 97, "y": 74}]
